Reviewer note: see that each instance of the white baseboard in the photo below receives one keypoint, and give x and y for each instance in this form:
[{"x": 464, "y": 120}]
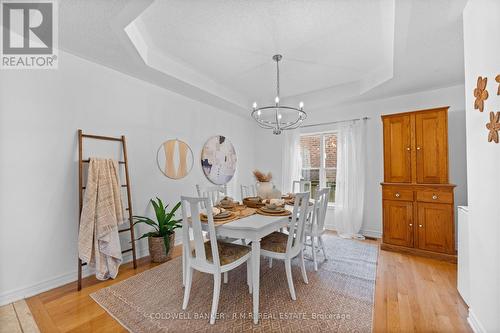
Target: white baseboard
[
  {"x": 57, "y": 281},
  {"x": 474, "y": 323},
  {"x": 365, "y": 232}
]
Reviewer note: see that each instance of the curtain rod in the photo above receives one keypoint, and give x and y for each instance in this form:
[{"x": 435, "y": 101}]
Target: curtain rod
[{"x": 335, "y": 122}]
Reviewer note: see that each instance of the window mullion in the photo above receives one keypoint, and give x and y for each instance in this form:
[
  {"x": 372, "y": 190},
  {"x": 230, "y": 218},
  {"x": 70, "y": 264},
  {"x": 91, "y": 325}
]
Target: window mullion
[{"x": 322, "y": 172}]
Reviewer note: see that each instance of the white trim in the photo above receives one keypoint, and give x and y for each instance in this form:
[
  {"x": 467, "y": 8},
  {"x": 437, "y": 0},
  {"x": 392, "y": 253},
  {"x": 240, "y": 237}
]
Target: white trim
[
  {"x": 365, "y": 232},
  {"x": 474, "y": 323},
  {"x": 40, "y": 287}
]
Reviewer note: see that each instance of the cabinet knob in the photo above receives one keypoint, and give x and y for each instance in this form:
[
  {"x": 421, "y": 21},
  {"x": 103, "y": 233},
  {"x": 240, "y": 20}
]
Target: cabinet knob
[
  {"x": 434, "y": 197},
  {"x": 397, "y": 195},
  {"x": 408, "y": 148},
  {"x": 418, "y": 148},
  {"x": 420, "y": 226},
  {"x": 411, "y": 224}
]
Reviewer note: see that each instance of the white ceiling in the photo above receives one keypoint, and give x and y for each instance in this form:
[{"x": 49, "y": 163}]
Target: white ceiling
[{"x": 219, "y": 52}]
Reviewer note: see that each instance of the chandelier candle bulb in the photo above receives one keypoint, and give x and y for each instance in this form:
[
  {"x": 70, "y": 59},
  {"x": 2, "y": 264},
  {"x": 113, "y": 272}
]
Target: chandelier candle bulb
[
  {"x": 254, "y": 105},
  {"x": 301, "y": 105},
  {"x": 277, "y": 100}
]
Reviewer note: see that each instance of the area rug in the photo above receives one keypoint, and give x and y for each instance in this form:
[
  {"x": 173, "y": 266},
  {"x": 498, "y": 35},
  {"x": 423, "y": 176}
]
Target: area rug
[{"x": 338, "y": 298}]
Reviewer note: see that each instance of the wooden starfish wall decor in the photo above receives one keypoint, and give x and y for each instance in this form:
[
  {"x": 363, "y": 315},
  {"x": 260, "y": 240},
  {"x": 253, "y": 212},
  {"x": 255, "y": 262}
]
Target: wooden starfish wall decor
[
  {"x": 480, "y": 93},
  {"x": 493, "y": 126}
]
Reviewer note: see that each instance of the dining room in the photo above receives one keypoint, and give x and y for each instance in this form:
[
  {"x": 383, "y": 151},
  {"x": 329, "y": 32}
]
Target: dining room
[{"x": 236, "y": 166}]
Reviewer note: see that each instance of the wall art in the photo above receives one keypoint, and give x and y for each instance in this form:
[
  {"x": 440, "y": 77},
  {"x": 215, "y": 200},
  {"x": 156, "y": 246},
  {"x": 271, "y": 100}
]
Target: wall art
[
  {"x": 480, "y": 93},
  {"x": 218, "y": 160},
  {"x": 175, "y": 159},
  {"x": 493, "y": 126}
]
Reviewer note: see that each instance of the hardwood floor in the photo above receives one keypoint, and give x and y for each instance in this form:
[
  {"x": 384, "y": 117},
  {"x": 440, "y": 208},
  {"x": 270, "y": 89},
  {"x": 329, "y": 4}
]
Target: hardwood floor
[{"x": 412, "y": 294}]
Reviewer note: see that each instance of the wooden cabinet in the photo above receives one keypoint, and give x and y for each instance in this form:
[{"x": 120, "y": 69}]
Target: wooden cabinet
[
  {"x": 431, "y": 146},
  {"x": 398, "y": 229},
  {"x": 418, "y": 205},
  {"x": 397, "y": 149},
  {"x": 435, "y": 232}
]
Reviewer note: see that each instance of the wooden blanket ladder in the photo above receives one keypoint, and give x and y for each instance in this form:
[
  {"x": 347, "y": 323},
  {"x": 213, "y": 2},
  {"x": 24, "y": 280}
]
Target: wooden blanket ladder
[{"x": 81, "y": 188}]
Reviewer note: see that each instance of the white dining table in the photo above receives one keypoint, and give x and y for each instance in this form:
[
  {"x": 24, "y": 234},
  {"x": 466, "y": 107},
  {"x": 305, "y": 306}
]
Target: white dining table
[{"x": 253, "y": 228}]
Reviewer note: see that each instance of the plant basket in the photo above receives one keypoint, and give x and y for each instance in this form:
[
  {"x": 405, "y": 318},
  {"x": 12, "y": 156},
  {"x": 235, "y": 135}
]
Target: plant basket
[{"x": 157, "y": 249}]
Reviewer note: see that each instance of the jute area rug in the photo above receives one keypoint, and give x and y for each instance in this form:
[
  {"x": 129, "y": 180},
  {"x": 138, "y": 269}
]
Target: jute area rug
[{"x": 338, "y": 298}]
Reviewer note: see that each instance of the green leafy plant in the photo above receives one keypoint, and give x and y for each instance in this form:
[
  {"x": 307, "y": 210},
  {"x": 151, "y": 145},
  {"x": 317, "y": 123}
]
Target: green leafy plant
[{"x": 165, "y": 223}]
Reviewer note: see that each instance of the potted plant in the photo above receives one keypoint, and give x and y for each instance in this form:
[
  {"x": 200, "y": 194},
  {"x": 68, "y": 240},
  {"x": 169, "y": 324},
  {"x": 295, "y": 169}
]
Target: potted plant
[{"x": 162, "y": 239}]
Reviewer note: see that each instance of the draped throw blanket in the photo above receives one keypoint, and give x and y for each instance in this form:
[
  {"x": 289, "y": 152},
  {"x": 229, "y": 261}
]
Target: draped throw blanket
[{"x": 102, "y": 213}]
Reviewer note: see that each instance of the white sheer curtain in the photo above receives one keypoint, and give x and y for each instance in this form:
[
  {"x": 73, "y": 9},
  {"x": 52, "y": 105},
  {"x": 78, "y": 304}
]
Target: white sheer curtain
[
  {"x": 350, "y": 187},
  {"x": 292, "y": 164}
]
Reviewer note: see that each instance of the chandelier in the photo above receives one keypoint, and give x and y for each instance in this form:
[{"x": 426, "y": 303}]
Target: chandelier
[{"x": 278, "y": 117}]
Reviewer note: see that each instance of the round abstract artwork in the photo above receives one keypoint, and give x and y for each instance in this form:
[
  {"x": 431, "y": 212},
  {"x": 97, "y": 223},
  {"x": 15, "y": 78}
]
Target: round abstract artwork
[
  {"x": 218, "y": 160},
  {"x": 175, "y": 159}
]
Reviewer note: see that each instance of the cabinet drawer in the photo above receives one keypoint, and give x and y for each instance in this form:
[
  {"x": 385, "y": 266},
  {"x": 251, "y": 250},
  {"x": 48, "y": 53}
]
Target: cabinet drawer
[
  {"x": 397, "y": 194},
  {"x": 435, "y": 196}
]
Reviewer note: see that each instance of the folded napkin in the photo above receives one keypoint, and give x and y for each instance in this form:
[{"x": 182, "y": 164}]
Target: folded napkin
[
  {"x": 277, "y": 202},
  {"x": 215, "y": 211}
]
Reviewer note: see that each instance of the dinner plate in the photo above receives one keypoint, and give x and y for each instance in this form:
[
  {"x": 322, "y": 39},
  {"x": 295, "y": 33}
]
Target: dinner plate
[
  {"x": 222, "y": 215},
  {"x": 277, "y": 210}
]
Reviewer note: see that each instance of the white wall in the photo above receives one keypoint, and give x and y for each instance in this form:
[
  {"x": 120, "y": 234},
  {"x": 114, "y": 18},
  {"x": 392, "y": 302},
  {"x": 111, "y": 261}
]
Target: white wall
[
  {"x": 482, "y": 58},
  {"x": 452, "y": 96},
  {"x": 40, "y": 112}
]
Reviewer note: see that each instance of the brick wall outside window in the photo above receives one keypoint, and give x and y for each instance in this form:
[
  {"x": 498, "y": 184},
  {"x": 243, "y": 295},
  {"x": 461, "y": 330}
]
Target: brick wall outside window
[{"x": 310, "y": 146}]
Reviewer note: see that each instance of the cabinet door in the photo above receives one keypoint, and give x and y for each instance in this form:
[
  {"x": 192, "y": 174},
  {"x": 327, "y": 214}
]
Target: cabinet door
[
  {"x": 435, "y": 227},
  {"x": 398, "y": 223},
  {"x": 431, "y": 140},
  {"x": 397, "y": 149}
]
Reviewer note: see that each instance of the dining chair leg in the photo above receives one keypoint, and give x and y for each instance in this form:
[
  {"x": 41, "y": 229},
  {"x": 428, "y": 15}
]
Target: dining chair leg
[
  {"x": 288, "y": 269},
  {"x": 249, "y": 275},
  {"x": 323, "y": 246},
  {"x": 225, "y": 277},
  {"x": 270, "y": 262},
  {"x": 183, "y": 266},
  {"x": 303, "y": 267},
  {"x": 187, "y": 289},
  {"x": 215, "y": 300},
  {"x": 313, "y": 247}
]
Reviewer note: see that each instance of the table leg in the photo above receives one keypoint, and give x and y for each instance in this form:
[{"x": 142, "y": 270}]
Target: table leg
[{"x": 255, "y": 279}]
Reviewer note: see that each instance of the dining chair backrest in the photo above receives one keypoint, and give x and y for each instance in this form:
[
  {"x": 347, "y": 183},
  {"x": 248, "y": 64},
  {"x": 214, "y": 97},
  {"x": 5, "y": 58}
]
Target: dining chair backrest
[
  {"x": 248, "y": 191},
  {"x": 296, "y": 231},
  {"x": 215, "y": 193},
  {"x": 304, "y": 185},
  {"x": 320, "y": 208},
  {"x": 193, "y": 222}
]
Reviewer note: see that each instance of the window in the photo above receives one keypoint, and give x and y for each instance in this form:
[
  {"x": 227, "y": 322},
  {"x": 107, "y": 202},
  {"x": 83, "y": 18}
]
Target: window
[{"x": 319, "y": 161}]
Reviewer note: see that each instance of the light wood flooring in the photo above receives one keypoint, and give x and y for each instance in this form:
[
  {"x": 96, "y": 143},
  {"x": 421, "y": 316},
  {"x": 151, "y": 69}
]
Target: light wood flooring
[{"x": 412, "y": 294}]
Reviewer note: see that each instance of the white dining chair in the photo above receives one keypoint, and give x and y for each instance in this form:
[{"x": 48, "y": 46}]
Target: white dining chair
[
  {"x": 215, "y": 193},
  {"x": 212, "y": 257},
  {"x": 304, "y": 185},
  {"x": 315, "y": 226},
  {"x": 248, "y": 191},
  {"x": 285, "y": 247}
]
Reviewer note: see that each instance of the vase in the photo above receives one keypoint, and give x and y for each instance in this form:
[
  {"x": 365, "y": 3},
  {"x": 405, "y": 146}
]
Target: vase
[
  {"x": 157, "y": 250},
  {"x": 265, "y": 189}
]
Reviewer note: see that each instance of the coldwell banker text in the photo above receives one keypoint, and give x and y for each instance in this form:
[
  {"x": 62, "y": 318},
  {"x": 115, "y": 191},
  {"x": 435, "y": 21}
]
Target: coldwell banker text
[{"x": 29, "y": 35}]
